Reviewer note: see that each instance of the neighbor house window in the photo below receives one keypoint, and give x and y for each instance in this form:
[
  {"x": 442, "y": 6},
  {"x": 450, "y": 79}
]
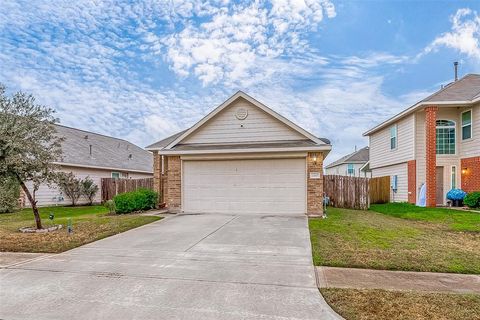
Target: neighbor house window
[
  {"x": 116, "y": 175},
  {"x": 393, "y": 137},
  {"x": 445, "y": 137},
  {"x": 350, "y": 169},
  {"x": 466, "y": 125},
  {"x": 454, "y": 177}
]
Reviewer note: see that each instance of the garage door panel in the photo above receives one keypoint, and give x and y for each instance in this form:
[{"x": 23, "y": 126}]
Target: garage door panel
[{"x": 276, "y": 186}]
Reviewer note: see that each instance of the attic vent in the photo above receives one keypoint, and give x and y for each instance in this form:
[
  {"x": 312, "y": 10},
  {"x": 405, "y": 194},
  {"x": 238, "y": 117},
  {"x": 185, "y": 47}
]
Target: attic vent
[{"x": 241, "y": 113}]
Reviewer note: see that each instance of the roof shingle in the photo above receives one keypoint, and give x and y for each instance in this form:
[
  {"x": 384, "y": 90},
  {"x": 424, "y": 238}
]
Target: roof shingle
[{"x": 106, "y": 152}]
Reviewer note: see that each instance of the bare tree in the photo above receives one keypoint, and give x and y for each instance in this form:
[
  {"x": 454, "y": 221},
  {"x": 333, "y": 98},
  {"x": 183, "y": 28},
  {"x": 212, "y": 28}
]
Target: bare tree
[{"x": 28, "y": 143}]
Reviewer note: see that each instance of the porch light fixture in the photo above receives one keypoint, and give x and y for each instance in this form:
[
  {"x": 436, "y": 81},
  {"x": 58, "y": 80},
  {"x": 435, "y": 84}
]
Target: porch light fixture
[
  {"x": 314, "y": 158},
  {"x": 464, "y": 170}
]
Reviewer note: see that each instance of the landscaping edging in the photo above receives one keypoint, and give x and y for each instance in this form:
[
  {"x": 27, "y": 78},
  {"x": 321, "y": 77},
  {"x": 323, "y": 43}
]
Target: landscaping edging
[{"x": 44, "y": 230}]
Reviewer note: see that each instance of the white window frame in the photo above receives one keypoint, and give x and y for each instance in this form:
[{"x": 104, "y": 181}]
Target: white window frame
[
  {"x": 116, "y": 172},
  {"x": 394, "y": 137},
  {"x": 471, "y": 124},
  {"x": 454, "y": 127},
  {"x": 453, "y": 177}
]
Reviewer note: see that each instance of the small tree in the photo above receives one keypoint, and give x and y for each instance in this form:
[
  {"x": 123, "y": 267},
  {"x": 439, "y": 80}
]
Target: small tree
[
  {"x": 89, "y": 189},
  {"x": 28, "y": 143},
  {"x": 70, "y": 185}
]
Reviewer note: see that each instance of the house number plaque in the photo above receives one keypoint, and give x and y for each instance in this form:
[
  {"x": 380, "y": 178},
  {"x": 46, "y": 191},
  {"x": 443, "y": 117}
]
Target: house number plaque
[{"x": 314, "y": 175}]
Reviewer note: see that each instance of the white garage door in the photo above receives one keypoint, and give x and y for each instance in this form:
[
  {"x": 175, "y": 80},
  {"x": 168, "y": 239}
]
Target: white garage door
[{"x": 245, "y": 186}]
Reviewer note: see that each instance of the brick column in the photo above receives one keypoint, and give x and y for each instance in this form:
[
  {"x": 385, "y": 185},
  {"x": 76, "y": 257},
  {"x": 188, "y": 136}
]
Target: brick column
[
  {"x": 412, "y": 181},
  {"x": 315, "y": 184},
  {"x": 173, "y": 187},
  {"x": 431, "y": 154}
]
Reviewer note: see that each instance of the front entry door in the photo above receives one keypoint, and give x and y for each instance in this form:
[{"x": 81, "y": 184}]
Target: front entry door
[{"x": 440, "y": 195}]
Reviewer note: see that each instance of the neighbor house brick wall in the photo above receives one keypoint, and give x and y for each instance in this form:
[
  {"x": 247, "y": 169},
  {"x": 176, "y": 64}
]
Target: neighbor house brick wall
[
  {"x": 431, "y": 156},
  {"x": 314, "y": 186},
  {"x": 470, "y": 174},
  {"x": 173, "y": 184},
  {"x": 412, "y": 181}
]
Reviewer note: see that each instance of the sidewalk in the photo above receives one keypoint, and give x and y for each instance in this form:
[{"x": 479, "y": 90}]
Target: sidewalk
[
  {"x": 8, "y": 259},
  {"x": 330, "y": 277}
]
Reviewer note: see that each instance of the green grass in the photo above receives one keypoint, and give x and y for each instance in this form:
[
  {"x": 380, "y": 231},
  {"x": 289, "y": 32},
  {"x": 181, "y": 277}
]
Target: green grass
[
  {"x": 396, "y": 241},
  {"x": 90, "y": 223},
  {"x": 457, "y": 220},
  {"x": 373, "y": 304}
]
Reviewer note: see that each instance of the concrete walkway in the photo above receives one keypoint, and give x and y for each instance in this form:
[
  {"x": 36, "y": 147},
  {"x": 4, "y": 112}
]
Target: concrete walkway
[
  {"x": 182, "y": 267},
  {"x": 330, "y": 277}
]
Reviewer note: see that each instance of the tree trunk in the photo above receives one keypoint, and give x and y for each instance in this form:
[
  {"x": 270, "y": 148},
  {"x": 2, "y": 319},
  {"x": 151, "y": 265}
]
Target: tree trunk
[{"x": 36, "y": 214}]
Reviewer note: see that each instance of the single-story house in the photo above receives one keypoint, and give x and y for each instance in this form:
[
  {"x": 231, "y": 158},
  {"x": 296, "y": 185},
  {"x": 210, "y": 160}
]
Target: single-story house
[
  {"x": 354, "y": 164},
  {"x": 97, "y": 156},
  {"x": 435, "y": 142},
  {"x": 242, "y": 158}
]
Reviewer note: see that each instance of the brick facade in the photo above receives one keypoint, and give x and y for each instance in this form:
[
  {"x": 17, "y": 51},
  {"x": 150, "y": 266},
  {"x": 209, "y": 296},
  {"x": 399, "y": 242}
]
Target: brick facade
[
  {"x": 412, "y": 181},
  {"x": 470, "y": 174},
  {"x": 172, "y": 183},
  {"x": 315, "y": 186},
  {"x": 431, "y": 155}
]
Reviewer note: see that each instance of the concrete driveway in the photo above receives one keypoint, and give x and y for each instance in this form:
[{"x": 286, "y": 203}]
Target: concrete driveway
[{"x": 184, "y": 267}]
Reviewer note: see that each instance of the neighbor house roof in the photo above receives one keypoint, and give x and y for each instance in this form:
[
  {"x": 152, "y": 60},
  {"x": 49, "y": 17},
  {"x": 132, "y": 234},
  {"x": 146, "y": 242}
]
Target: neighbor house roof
[
  {"x": 174, "y": 142},
  {"x": 88, "y": 149},
  {"x": 465, "y": 91},
  {"x": 359, "y": 156}
]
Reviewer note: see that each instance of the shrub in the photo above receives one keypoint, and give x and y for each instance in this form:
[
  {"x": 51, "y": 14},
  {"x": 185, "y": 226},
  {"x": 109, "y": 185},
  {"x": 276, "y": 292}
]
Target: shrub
[
  {"x": 456, "y": 194},
  {"x": 9, "y": 194},
  {"x": 70, "y": 185},
  {"x": 142, "y": 199},
  {"x": 89, "y": 189},
  {"x": 110, "y": 205},
  {"x": 472, "y": 199}
]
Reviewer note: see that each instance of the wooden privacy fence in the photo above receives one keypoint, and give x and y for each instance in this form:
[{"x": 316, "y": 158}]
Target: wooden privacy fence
[
  {"x": 111, "y": 187},
  {"x": 354, "y": 192}
]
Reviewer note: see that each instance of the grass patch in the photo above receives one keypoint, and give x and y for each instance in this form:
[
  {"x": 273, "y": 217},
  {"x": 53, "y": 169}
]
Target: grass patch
[
  {"x": 359, "y": 304},
  {"x": 456, "y": 220},
  {"x": 367, "y": 239},
  {"x": 90, "y": 223}
]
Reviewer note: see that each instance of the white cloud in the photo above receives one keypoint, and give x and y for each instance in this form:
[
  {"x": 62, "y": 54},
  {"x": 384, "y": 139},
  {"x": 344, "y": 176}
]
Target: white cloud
[
  {"x": 464, "y": 36},
  {"x": 228, "y": 47}
]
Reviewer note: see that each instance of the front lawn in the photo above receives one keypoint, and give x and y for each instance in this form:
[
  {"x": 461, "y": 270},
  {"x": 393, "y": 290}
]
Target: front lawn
[
  {"x": 90, "y": 223},
  {"x": 355, "y": 304},
  {"x": 402, "y": 237},
  {"x": 457, "y": 220}
]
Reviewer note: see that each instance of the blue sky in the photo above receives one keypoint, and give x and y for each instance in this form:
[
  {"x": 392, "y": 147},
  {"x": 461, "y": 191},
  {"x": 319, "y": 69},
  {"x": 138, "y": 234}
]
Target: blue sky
[{"x": 144, "y": 70}]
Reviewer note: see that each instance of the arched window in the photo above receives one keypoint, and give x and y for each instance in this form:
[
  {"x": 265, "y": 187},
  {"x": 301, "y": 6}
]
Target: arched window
[{"x": 445, "y": 137}]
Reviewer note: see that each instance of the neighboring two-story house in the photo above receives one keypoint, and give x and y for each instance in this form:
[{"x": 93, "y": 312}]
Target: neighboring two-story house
[
  {"x": 435, "y": 142},
  {"x": 353, "y": 165}
]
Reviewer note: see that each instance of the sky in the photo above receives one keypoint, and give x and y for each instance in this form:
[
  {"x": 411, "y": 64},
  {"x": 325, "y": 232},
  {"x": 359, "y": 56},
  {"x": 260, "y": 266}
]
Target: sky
[{"x": 144, "y": 70}]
